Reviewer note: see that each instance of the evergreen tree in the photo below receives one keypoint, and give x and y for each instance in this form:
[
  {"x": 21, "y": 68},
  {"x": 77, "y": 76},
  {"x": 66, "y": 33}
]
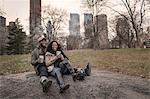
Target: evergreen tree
[{"x": 16, "y": 38}]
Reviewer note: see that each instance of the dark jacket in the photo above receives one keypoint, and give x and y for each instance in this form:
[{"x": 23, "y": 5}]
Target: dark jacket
[{"x": 35, "y": 55}]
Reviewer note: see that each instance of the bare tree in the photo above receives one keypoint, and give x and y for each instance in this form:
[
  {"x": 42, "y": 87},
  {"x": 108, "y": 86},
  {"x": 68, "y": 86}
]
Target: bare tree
[
  {"x": 123, "y": 32},
  {"x": 95, "y": 6},
  {"x": 148, "y": 1},
  {"x": 135, "y": 13},
  {"x": 56, "y": 19},
  {"x": 1, "y": 12}
]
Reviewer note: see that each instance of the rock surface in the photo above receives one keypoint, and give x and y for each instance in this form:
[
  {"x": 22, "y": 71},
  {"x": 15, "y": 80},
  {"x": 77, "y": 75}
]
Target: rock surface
[{"x": 100, "y": 85}]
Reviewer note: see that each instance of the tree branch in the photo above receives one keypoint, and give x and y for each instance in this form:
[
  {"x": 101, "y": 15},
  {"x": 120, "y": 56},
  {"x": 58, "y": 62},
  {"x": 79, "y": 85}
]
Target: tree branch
[{"x": 142, "y": 13}]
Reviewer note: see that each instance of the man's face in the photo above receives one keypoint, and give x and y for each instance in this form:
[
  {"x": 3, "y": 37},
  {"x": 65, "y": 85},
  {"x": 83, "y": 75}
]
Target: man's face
[{"x": 43, "y": 43}]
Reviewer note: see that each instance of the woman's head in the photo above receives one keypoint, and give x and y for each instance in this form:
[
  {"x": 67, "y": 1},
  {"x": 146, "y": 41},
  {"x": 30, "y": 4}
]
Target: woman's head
[{"x": 53, "y": 46}]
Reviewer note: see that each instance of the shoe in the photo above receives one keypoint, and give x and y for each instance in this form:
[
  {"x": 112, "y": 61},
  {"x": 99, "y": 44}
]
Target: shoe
[
  {"x": 88, "y": 70},
  {"x": 64, "y": 87},
  {"x": 46, "y": 85},
  {"x": 74, "y": 76}
]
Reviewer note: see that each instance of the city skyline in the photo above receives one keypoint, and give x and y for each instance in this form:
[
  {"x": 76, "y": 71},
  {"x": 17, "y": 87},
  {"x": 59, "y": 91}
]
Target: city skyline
[{"x": 21, "y": 9}]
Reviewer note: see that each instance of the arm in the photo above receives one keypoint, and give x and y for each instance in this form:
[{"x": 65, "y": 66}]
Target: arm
[
  {"x": 62, "y": 57},
  {"x": 50, "y": 59},
  {"x": 34, "y": 59}
]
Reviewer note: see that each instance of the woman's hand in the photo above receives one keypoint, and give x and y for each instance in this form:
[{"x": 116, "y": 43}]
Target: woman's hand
[
  {"x": 62, "y": 57},
  {"x": 59, "y": 56},
  {"x": 49, "y": 60}
]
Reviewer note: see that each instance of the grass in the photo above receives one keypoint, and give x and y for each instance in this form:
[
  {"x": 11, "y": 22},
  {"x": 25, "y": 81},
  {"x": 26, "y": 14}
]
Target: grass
[
  {"x": 10, "y": 64},
  {"x": 127, "y": 61}
]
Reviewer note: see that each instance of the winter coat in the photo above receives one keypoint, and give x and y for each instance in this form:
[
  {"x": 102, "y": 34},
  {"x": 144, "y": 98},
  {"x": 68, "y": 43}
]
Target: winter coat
[
  {"x": 51, "y": 60},
  {"x": 35, "y": 55}
]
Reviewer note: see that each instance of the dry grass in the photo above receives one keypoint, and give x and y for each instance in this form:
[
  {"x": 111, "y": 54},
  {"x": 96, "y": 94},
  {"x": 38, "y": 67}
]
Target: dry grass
[
  {"x": 15, "y": 64},
  {"x": 127, "y": 61}
]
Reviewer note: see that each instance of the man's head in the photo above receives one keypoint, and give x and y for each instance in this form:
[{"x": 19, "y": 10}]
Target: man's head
[{"x": 42, "y": 41}]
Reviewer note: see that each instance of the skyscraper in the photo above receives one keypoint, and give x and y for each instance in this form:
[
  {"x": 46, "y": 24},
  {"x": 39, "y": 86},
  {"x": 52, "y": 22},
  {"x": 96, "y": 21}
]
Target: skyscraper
[
  {"x": 3, "y": 34},
  {"x": 35, "y": 15},
  {"x": 74, "y": 24},
  {"x": 88, "y": 26},
  {"x": 88, "y": 30},
  {"x": 2, "y": 21},
  {"x": 101, "y": 34}
]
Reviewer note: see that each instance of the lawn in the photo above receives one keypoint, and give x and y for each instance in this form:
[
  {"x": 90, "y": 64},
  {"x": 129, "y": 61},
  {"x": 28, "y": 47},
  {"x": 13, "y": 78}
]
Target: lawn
[
  {"x": 15, "y": 64},
  {"x": 127, "y": 61}
]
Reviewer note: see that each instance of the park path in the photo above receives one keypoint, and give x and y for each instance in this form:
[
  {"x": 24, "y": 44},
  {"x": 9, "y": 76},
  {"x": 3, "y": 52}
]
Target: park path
[{"x": 100, "y": 85}]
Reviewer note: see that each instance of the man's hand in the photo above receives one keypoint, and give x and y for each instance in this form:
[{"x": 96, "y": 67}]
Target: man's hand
[{"x": 41, "y": 59}]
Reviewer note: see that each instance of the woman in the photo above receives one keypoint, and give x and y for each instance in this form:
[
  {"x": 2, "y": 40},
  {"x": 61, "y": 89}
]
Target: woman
[{"x": 54, "y": 60}]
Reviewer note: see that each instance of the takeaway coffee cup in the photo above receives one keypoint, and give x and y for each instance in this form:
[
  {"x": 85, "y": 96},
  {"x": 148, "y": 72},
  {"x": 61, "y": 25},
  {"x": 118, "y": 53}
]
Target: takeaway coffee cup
[
  {"x": 41, "y": 58},
  {"x": 58, "y": 52}
]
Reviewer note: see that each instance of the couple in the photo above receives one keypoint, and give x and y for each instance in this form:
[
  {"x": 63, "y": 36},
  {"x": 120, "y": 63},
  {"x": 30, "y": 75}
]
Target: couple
[{"x": 50, "y": 61}]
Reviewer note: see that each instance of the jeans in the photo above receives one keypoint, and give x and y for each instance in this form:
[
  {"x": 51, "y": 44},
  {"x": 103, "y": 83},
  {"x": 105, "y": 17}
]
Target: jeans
[
  {"x": 42, "y": 70},
  {"x": 56, "y": 72},
  {"x": 65, "y": 67}
]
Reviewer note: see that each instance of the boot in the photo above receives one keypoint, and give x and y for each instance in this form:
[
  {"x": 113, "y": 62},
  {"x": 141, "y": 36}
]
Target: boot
[
  {"x": 88, "y": 70},
  {"x": 64, "y": 87},
  {"x": 74, "y": 74},
  {"x": 46, "y": 85}
]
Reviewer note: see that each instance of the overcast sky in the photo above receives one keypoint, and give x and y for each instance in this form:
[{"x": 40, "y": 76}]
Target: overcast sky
[{"x": 20, "y": 9}]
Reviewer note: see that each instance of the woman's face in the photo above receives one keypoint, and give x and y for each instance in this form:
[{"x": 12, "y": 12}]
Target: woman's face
[{"x": 54, "y": 46}]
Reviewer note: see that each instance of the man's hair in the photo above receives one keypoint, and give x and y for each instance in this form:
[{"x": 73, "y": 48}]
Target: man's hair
[{"x": 41, "y": 38}]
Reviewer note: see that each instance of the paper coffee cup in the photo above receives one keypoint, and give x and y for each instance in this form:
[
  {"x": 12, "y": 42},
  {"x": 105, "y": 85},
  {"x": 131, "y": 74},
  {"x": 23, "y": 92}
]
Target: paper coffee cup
[
  {"x": 41, "y": 58},
  {"x": 58, "y": 52}
]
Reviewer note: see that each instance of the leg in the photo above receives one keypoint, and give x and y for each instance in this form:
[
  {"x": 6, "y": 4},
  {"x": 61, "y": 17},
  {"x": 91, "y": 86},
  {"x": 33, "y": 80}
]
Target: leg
[
  {"x": 63, "y": 68},
  {"x": 42, "y": 70},
  {"x": 66, "y": 68},
  {"x": 56, "y": 72},
  {"x": 43, "y": 73}
]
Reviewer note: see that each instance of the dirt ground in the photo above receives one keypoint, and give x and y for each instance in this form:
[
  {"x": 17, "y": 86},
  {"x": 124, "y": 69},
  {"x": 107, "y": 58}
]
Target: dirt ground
[{"x": 100, "y": 85}]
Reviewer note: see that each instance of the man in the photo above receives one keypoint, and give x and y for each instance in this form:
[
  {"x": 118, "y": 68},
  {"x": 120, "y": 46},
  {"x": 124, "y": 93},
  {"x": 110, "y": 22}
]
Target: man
[{"x": 38, "y": 61}]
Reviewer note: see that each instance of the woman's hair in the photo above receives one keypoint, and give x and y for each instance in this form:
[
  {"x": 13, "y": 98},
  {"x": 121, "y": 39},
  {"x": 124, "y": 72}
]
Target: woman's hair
[{"x": 49, "y": 48}]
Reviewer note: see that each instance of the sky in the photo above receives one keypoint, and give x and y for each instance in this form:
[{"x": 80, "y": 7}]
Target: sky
[{"x": 20, "y": 9}]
